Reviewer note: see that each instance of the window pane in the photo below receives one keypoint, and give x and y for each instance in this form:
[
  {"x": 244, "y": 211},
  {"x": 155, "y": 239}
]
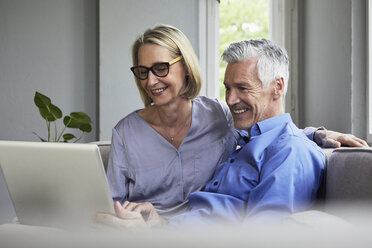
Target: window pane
[{"x": 241, "y": 20}]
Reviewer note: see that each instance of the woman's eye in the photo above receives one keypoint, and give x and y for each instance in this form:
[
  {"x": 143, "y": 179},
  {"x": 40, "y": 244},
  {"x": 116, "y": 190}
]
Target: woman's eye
[{"x": 160, "y": 69}]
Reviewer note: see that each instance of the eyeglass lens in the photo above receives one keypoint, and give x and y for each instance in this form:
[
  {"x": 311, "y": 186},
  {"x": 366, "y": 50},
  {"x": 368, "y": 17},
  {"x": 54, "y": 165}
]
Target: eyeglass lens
[{"x": 160, "y": 70}]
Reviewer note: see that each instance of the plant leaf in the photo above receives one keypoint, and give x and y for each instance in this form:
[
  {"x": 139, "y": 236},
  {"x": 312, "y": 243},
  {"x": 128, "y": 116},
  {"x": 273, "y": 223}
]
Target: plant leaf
[
  {"x": 86, "y": 128},
  {"x": 41, "y": 139},
  {"x": 41, "y": 101},
  {"x": 68, "y": 136},
  {"x": 73, "y": 123},
  {"x": 66, "y": 120},
  {"x": 55, "y": 111},
  {"x": 46, "y": 114},
  {"x": 81, "y": 117}
]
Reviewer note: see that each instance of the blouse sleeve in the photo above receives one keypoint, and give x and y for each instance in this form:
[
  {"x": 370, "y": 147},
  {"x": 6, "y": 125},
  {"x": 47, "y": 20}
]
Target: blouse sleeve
[
  {"x": 310, "y": 131},
  {"x": 117, "y": 169},
  {"x": 227, "y": 113}
]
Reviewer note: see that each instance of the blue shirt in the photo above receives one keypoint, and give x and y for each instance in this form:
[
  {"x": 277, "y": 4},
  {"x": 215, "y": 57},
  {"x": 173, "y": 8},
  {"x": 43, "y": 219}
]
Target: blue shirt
[{"x": 275, "y": 172}]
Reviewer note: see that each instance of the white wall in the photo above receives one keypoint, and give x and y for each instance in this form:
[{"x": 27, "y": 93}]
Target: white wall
[
  {"x": 51, "y": 47},
  {"x": 121, "y": 21}
]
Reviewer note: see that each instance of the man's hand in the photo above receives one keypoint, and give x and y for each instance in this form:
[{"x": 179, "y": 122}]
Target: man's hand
[
  {"x": 332, "y": 139},
  {"x": 131, "y": 215}
]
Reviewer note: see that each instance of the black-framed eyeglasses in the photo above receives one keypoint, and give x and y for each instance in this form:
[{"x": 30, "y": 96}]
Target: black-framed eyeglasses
[{"x": 159, "y": 69}]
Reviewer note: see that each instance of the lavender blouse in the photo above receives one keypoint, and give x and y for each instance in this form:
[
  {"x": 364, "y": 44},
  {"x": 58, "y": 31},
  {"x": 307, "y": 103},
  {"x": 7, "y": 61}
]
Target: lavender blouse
[{"x": 143, "y": 166}]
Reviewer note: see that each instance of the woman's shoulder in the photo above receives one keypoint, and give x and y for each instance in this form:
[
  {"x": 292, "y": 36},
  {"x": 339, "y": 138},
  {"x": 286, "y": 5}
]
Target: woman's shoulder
[
  {"x": 131, "y": 119},
  {"x": 207, "y": 102},
  {"x": 213, "y": 106}
]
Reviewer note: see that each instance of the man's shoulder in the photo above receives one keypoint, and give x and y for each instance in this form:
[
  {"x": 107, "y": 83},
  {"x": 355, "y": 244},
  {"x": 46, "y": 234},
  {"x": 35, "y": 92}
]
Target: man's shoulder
[{"x": 294, "y": 139}]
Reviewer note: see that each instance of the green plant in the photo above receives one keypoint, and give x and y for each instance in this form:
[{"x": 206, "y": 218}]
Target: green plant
[{"x": 51, "y": 113}]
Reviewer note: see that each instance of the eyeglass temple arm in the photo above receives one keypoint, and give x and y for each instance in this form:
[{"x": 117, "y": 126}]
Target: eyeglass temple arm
[{"x": 175, "y": 60}]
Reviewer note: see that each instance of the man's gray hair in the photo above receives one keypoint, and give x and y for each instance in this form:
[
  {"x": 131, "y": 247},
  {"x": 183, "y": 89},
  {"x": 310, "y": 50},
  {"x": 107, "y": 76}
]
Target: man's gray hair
[{"x": 272, "y": 60}]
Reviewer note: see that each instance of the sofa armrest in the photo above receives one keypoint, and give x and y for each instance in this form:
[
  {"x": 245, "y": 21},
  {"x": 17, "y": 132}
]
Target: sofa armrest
[{"x": 349, "y": 175}]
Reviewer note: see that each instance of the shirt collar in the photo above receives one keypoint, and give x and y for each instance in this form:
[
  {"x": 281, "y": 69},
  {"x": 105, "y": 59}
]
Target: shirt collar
[
  {"x": 270, "y": 123},
  {"x": 263, "y": 127}
]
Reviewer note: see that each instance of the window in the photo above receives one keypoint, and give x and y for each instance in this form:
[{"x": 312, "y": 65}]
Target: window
[
  {"x": 225, "y": 21},
  {"x": 241, "y": 20}
]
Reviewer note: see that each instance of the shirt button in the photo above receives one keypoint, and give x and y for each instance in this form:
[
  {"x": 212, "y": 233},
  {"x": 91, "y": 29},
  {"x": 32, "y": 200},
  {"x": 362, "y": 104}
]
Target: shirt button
[
  {"x": 232, "y": 160},
  {"x": 215, "y": 183}
]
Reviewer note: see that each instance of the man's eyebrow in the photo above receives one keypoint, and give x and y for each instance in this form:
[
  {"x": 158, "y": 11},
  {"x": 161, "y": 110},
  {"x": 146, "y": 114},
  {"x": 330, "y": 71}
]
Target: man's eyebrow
[{"x": 236, "y": 84}]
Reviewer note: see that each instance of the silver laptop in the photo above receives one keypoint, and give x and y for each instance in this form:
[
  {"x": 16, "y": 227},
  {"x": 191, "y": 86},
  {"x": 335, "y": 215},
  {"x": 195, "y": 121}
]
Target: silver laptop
[{"x": 55, "y": 184}]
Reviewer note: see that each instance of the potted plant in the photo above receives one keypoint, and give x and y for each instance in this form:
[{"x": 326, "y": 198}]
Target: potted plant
[{"x": 51, "y": 113}]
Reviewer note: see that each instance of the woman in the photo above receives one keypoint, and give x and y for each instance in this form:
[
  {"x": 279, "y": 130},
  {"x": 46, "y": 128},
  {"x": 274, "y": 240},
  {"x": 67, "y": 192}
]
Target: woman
[{"x": 162, "y": 153}]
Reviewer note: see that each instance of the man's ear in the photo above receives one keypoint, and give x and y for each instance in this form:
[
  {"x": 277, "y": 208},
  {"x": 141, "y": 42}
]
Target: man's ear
[{"x": 278, "y": 88}]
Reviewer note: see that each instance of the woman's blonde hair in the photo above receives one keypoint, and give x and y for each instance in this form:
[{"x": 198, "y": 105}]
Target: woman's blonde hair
[{"x": 177, "y": 43}]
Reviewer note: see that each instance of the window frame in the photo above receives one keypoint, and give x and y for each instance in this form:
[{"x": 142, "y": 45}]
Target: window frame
[
  {"x": 369, "y": 75},
  {"x": 284, "y": 31},
  {"x": 209, "y": 47}
]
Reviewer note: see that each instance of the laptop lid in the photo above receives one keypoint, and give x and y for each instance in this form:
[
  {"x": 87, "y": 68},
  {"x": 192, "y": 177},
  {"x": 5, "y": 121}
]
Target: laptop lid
[{"x": 55, "y": 184}]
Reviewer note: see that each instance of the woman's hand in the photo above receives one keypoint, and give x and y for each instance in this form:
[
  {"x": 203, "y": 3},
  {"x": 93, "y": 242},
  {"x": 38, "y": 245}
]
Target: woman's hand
[
  {"x": 131, "y": 215},
  {"x": 332, "y": 139},
  {"x": 147, "y": 211}
]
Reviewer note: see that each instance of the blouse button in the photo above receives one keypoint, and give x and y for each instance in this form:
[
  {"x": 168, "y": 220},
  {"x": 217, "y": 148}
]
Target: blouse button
[
  {"x": 215, "y": 183},
  {"x": 232, "y": 161}
]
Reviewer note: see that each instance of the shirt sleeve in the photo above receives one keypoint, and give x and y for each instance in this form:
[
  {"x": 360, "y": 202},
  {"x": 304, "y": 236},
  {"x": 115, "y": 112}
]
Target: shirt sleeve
[
  {"x": 289, "y": 181},
  {"x": 117, "y": 169}
]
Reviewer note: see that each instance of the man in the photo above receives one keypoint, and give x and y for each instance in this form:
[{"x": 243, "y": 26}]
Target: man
[{"x": 276, "y": 171}]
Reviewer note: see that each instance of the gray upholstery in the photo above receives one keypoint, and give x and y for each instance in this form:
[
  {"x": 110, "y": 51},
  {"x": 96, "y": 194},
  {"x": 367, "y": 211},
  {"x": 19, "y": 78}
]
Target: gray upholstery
[{"x": 348, "y": 176}]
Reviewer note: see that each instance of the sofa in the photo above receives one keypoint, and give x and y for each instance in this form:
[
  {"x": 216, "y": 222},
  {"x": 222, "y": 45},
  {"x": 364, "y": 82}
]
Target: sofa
[{"x": 347, "y": 184}]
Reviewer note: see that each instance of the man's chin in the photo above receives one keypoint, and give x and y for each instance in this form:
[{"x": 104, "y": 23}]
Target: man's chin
[{"x": 242, "y": 126}]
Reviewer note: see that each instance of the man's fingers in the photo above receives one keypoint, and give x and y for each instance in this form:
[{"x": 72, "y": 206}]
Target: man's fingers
[
  {"x": 330, "y": 143},
  {"x": 351, "y": 140},
  {"x": 362, "y": 142}
]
